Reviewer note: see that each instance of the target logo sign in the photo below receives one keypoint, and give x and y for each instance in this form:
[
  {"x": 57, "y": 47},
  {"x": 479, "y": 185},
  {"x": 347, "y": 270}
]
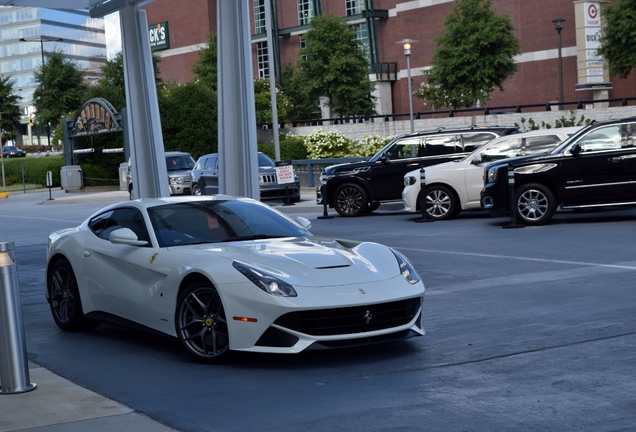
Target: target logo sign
[{"x": 592, "y": 11}]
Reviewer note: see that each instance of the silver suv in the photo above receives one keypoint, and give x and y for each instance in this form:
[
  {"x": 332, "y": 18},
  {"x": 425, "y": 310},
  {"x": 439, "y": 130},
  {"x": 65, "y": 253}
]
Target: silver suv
[{"x": 179, "y": 165}]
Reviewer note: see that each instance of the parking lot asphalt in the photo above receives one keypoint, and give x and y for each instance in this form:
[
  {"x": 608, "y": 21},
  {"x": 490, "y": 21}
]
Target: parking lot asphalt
[{"x": 59, "y": 405}]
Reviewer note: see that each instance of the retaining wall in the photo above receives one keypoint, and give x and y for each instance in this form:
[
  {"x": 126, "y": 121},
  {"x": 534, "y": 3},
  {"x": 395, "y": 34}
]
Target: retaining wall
[{"x": 383, "y": 128}]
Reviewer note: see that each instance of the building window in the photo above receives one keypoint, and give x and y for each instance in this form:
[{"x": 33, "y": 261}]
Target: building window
[
  {"x": 261, "y": 56},
  {"x": 303, "y": 44},
  {"x": 305, "y": 11},
  {"x": 354, "y": 7},
  {"x": 259, "y": 16},
  {"x": 362, "y": 34}
]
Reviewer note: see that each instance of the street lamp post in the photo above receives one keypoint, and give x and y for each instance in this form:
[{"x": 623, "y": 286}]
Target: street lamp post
[
  {"x": 43, "y": 39},
  {"x": 558, "y": 25},
  {"x": 406, "y": 43}
]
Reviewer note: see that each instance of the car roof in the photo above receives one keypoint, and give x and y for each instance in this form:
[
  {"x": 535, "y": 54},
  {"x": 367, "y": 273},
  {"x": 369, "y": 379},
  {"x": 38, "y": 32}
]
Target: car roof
[
  {"x": 540, "y": 132},
  {"x": 462, "y": 129}
]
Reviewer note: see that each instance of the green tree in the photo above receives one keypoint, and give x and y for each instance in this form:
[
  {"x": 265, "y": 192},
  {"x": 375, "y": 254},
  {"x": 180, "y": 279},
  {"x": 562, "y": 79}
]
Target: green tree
[
  {"x": 333, "y": 65},
  {"x": 263, "y": 99},
  {"x": 474, "y": 54},
  {"x": 618, "y": 41},
  {"x": 189, "y": 118},
  {"x": 60, "y": 89},
  {"x": 9, "y": 109},
  {"x": 302, "y": 105},
  {"x": 205, "y": 69}
]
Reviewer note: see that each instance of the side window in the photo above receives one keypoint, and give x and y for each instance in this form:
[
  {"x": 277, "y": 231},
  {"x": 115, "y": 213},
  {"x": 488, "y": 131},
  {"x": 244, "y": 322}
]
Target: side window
[
  {"x": 404, "y": 149},
  {"x": 212, "y": 163},
  {"x": 441, "y": 145},
  {"x": 473, "y": 140},
  {"x": 500, "y": 150},
  {"x": 99, "y": 223},
  {"x": 539, "y": 144},
  {"x": 106, "y": 223},
  {"x": 604, "y": 138}
]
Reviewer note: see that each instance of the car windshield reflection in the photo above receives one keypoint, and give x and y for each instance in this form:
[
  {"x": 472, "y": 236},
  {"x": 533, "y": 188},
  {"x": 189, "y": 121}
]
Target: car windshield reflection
[{"x": 218, "y": 221}]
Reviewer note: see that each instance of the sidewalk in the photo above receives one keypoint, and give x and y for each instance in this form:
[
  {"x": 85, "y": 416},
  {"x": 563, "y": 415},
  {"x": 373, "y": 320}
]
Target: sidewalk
[
  {"x": 58, "y": 405},
  {"x": 307, "y": 202}
]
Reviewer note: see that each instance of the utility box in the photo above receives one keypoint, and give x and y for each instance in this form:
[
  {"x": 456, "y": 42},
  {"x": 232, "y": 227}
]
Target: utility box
[{"x": 71, "y": 177}]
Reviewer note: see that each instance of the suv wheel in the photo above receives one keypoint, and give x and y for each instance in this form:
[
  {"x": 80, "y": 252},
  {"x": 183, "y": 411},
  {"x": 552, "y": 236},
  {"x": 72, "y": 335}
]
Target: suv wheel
[
  {"x": 351, "y": 200},
  {"x": 441, "y": 203},
  {"x": 196, "y": 190},
  {"x": 535, "y": 204}
]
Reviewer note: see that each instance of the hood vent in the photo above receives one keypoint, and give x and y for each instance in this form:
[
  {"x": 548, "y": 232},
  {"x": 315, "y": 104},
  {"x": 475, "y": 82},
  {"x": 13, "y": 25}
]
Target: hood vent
[{"x": 332, "y": 267}]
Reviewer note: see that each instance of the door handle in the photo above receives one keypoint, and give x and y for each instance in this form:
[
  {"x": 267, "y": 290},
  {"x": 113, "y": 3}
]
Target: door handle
[{"x": 86, "y": 254}]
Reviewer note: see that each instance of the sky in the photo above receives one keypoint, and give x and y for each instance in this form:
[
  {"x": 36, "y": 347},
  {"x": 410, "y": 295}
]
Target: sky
[{"x": 113, "y": 34}]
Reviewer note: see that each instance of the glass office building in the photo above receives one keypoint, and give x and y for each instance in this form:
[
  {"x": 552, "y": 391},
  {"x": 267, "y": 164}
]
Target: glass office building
[{"x": 28, "y": 34}]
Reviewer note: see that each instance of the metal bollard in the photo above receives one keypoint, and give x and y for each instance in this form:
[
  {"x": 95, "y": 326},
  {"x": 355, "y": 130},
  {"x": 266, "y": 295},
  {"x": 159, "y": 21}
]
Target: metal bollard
[
  {"x": 425, "y": 216},
  {"x": 14, "y": 367},
  {"x": 511, "y": 198},
  {"x": 323, "y": 192}
]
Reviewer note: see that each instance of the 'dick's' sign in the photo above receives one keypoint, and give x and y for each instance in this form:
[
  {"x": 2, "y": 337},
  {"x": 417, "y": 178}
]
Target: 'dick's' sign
[{"x": 159, "y": 37}]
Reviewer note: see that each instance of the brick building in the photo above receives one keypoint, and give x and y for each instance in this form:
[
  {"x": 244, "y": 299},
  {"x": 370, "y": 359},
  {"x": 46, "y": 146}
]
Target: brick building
[{"x": 380, "y": 24}]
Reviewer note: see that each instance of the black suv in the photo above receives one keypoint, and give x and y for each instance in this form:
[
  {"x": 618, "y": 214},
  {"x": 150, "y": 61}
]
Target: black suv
[
  {"x": 594, "y": 168},
  {"x": 359, "y": 187}
]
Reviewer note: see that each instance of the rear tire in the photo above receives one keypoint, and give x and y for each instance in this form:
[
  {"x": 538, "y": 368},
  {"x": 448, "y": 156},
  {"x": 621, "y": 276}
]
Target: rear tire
[
  {"x": 535, "y": 204},
  {"x": 64, "y": 299},
  {"x": 351, "y": 200}
]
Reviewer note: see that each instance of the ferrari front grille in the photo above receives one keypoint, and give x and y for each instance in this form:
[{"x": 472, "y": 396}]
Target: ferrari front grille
[{"x": 354, "y": 319}]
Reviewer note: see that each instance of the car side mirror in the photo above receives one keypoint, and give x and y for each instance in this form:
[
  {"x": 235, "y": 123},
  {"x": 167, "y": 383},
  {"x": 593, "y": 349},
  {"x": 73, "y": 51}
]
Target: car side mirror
[
  {"x": 476, "y": 160},
  {"x": 576, "y": 149},
  {"x": 126, "y": 236},
  {"x": 384, "y": 158},
  {"x": 303, "y": 222}
]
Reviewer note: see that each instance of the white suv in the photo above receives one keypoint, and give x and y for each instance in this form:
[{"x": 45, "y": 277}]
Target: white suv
[{"x": 455, "y": 186}]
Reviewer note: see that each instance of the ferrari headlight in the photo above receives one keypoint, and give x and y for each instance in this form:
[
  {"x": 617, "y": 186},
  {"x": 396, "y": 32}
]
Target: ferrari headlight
[
  {"x": 406, "y": 268},
  {"x": 265, "y": 281}
]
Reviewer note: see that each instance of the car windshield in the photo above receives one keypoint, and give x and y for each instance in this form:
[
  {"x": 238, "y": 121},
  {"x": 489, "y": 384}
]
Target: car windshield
[
  {"x": 265, "y": 161},
  {"x": 179, "y": 163},
  {"x": 213, "y": 221},
  {"x": 10, "y": 148}
]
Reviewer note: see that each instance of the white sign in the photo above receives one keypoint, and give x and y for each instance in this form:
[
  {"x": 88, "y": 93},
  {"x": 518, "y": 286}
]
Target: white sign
[
  {"x": 285, "y": 174},
  {"x": 592, "y": 12}
]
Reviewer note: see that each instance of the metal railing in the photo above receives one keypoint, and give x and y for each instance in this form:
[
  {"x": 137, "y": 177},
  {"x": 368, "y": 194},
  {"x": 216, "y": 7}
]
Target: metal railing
[{"x": 503, "y": 109}]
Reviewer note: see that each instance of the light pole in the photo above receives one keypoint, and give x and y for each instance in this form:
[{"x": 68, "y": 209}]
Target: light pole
[
  {"x": 558, "y": 25},
  {"x": 43, "y": 39},
  {"x": 406, "y": 43}
]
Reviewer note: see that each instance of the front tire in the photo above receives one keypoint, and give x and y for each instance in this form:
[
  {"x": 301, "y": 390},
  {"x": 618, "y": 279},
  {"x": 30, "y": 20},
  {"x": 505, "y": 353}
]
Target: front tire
[
  {"x": 196, "y": 190},
  {"x": 535, "y": 204},
  {"x": 64, "y": 298},
  {"x": 441, "y": 203},
  {"x": 351, "y": 200},
  {"x": 201, "y": 323}
]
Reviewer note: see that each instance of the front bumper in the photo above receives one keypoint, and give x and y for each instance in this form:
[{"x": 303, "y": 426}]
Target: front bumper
[
  {"x": 325, "y": 317},
  {"x": 494, "y": 199},
  {"x": 410, "y": 196}
]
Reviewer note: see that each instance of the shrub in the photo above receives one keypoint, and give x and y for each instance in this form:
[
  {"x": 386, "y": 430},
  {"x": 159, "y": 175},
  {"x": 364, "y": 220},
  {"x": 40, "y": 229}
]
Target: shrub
[
  {"x": 34, "y": 170},
  {"x": 323, "y": 144},
  {"x": 291, "y": 147},
  {"x": 370, "y": 145}
]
